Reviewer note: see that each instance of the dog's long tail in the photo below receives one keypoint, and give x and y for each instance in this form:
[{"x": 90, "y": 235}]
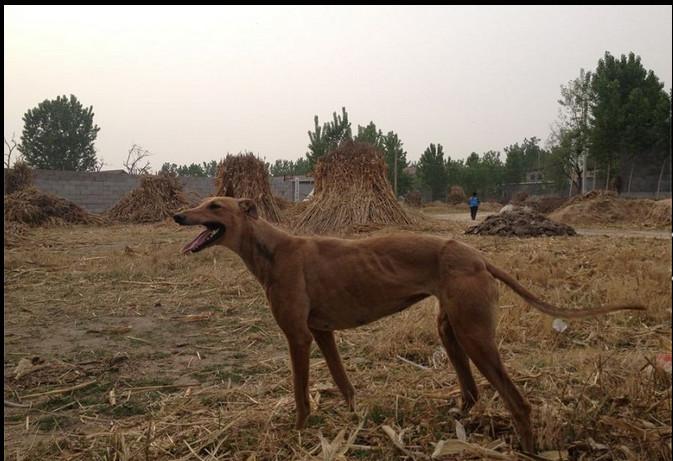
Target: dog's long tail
[{"x": 550, "y": 309}]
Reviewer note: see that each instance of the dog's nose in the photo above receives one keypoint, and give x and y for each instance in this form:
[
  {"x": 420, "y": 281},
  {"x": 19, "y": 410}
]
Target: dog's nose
[{"x": 179, "y": 218}]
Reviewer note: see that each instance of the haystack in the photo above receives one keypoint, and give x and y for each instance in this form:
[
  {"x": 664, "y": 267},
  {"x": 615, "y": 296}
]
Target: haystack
[
  {"x": 519, "y": 222},
  {"x": 246, "y": 176},
  {"x": 351, "y": 190},
  {"x": 456, "y": 195},
  {"x": 157, "y": 198},
  {"x": 33, "y": 207},
  {"x": 18, "y": 178}
]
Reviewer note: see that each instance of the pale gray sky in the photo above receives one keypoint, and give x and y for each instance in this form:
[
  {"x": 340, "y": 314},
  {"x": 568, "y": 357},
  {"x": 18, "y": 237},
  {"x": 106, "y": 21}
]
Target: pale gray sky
[{"x": 191, "y": 83}]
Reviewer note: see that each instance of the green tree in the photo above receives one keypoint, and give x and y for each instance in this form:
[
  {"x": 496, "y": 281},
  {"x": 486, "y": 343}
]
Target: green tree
[
  {"x": 628, "y": 110},
  {"x": 396, "y": 161},
  {"x": 205, "y": 169},
  {"x": 570, "y": 138},
  {"x": 289, "y": 167},
  {"x": 523, "y": 158},
  {"x": 330, "y": 135},
  {"x": 432, "y": 171},
  {"x": 483, "y": 174},
  {"x": 59, "y": 134},
  {"x": 370, "y": 134}
]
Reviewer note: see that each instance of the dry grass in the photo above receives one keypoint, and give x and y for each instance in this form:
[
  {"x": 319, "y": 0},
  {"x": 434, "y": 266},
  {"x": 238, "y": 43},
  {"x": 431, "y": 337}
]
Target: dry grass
[
  {"x": 246, "y": 176},
  {"x": 200, "y": 370},
  {"x": 351, "y": 190},
  {"x": 155, "y": 199}
]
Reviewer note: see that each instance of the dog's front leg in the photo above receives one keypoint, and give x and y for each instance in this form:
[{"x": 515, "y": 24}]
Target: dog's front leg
[{"x": 300, "y": 347}]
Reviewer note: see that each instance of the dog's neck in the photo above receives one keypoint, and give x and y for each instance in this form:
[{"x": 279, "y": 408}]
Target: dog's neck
[{"x": 258, "y": 244}]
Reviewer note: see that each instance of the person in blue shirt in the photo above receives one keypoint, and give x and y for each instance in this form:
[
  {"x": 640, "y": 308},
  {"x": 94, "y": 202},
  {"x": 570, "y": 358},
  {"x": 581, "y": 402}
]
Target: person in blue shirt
[{"x": 474, "y": 205}]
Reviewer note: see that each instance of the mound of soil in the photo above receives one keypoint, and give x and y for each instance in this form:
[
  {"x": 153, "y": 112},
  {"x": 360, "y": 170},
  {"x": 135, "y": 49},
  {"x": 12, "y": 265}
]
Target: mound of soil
[
  {"x": 544, "y": 204},
  {"x": 605, "y": 207},
  {"x": 520, "y": 223},
  {"x": 660, "y": 213}
]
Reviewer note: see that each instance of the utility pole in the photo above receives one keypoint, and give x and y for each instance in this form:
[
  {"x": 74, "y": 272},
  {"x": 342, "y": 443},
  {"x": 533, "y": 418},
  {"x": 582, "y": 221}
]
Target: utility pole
[{"x": 395, "y": 180}]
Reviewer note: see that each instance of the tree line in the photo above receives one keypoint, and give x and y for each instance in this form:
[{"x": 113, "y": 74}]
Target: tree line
[{"x": 610, "y": 119}]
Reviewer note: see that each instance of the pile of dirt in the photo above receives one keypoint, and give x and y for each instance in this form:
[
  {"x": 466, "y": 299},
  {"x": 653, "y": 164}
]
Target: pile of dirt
[
  {"x": 456, "y": 195},
  {"x": 18, "y": 178},
  {"x": 544, "y": 204},
  {"x": 520, "y": 223},
  {"x": 414, "y": 199},
  {"x": 660, "y": 213},
  {"x": 606, "y": 207},
  {"x": 155, "y": 199},
  {"x": 520, "y": 197},
  {"x": 351, "y": 189},
  {"x": 246, "y": 176},
  {"x": 33, "y": 208}
]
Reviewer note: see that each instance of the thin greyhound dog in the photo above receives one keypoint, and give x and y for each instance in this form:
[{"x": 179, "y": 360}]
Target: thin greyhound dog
[{"x": 316, "y": 285}]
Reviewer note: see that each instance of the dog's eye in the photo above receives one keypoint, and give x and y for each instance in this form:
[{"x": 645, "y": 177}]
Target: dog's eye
[{"x": 213, "y": 206}]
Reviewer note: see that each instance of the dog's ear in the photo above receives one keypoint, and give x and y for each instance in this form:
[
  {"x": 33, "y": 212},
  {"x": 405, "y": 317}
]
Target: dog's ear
[{"x": 248, "y": 206}]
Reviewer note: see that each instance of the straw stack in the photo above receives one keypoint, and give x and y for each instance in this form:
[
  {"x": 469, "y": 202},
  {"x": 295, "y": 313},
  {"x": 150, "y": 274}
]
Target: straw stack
[{"x": 351, "y": 190}]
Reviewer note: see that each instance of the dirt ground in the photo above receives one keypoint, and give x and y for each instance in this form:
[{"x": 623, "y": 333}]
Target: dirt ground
[{"x": 116, "y": 347}]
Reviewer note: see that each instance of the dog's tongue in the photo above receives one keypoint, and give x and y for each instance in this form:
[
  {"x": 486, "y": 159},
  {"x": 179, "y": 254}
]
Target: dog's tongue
[{"x": 197, "y": 242}]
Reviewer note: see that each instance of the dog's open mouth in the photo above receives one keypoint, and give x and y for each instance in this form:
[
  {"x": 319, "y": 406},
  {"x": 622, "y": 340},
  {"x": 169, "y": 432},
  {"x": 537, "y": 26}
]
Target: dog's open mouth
[{"x": 213, "y": 232}]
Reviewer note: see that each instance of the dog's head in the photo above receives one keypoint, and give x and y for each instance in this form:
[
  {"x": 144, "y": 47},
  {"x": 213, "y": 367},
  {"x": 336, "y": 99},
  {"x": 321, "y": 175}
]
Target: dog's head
[{"x": 224, "y": 219}]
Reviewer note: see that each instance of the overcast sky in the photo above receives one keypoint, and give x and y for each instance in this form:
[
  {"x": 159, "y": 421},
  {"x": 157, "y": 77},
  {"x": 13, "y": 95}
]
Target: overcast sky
[{"x": 193, "y": 83}]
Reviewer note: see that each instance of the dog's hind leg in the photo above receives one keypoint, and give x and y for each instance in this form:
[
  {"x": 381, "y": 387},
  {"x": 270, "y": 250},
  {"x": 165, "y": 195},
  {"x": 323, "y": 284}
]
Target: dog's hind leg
[
  {"x": 325, "y": 340},
  {"x": 459, "y": 360},
  {"x": 473, "y": 321}
]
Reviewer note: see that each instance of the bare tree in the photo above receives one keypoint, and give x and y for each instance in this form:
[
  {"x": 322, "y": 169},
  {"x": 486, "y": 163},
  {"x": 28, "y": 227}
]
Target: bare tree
[
  {"x": 99, "y": 165},
  {"x": 134, "y": 159},
  {"x": 11, "y": 145}
]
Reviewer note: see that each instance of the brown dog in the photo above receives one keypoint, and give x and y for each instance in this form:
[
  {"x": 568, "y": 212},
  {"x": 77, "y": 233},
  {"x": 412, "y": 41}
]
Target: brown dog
[{"x": 316, "y": 285}]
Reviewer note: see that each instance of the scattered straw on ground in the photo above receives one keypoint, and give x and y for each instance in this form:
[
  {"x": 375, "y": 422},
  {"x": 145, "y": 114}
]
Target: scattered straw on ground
[
  {"x": 519, "y": 223},
  {"x": 18, "y": 178},
  {"x": 351, "y": 189},
  {"x": 607, "y": 208},
  {"x": 155, "y": 199},
  {"x": 187, "y": 362},
  {"x": 15, "y": 233},
  {"x": 37, "y": 208},
  {"x": 246, "y": 176}
]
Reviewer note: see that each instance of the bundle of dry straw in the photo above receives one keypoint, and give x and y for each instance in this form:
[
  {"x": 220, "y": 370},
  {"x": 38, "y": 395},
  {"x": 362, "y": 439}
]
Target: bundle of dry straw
[
  {"x": 36, "y": 208},
  {"x": 246, "y": 176},
  {"x": 18, "y": 178},
  {"x": 157, "y": 198},
  {"x": 351, "y": 190}
]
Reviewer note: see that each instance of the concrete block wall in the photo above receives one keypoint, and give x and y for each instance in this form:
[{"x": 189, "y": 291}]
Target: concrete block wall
[{"x": 97, "y": 192}]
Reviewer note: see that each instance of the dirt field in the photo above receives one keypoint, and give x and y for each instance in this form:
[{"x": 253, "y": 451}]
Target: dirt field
[{"x": 126, "y": 350}]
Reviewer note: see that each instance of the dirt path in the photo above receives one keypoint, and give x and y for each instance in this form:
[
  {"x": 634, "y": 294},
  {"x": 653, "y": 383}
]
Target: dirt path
[{"x": 608, "y": 232}]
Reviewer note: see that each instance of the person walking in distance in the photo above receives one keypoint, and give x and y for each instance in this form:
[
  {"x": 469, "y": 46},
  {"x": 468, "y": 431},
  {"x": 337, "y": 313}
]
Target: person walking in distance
[{"x": 474, "y": 205}]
